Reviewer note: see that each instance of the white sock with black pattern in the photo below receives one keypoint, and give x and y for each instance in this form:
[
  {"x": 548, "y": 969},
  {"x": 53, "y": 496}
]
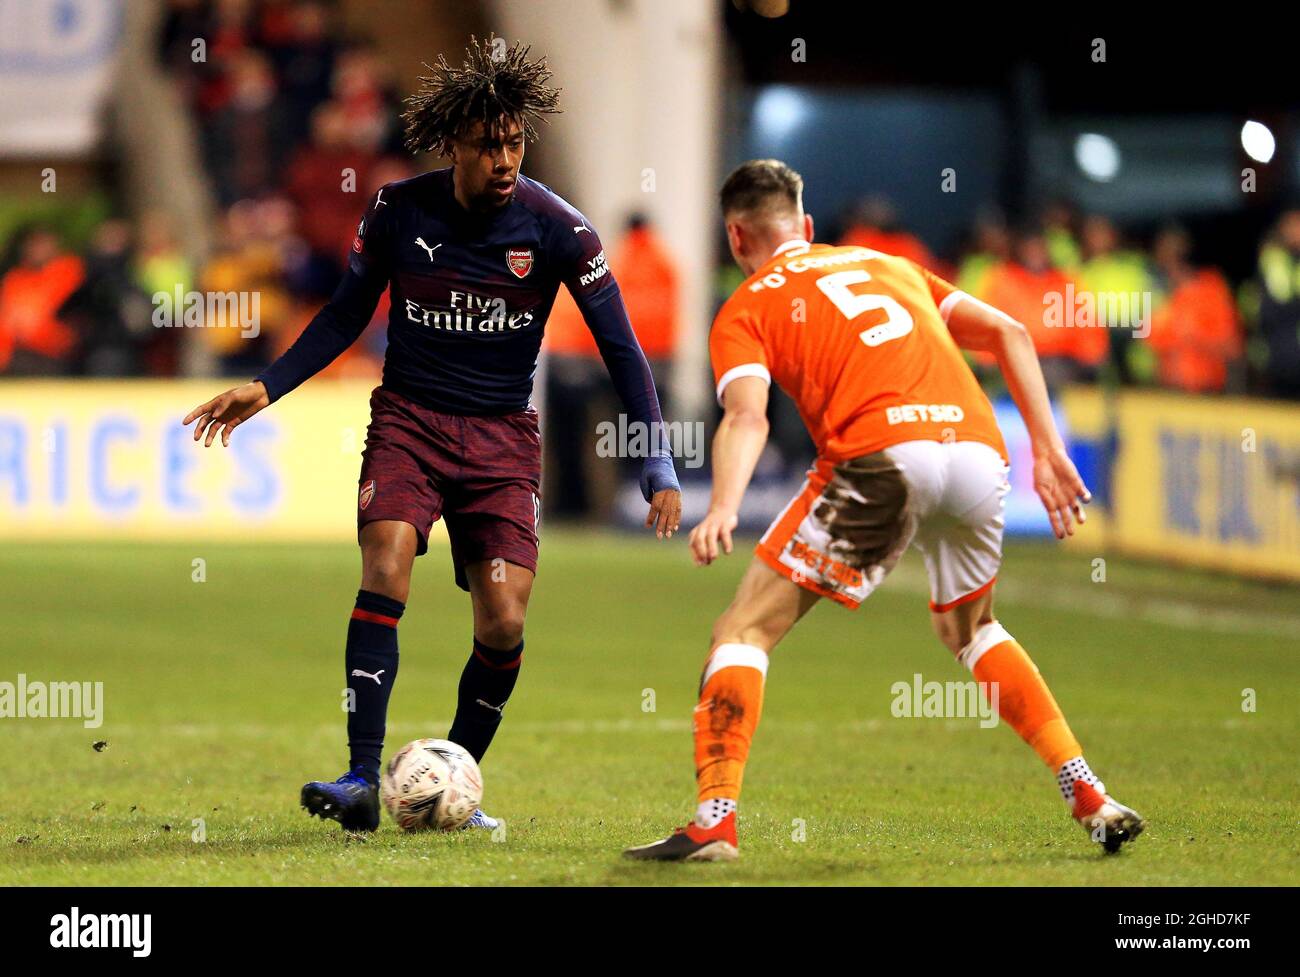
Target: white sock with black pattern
[
  {"x": 1072, "y": 770},
  {"x": 710, "y": 812}
]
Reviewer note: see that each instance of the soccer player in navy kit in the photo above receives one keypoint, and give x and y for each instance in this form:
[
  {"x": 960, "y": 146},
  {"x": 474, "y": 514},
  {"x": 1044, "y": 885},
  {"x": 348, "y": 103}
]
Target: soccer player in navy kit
[{"x": 474, "y": 256}]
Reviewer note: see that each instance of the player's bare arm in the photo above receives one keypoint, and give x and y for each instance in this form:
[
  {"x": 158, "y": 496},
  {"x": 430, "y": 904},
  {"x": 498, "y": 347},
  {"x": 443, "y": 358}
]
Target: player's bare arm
[
  {"x": 737, "y": 445},
  {"x": 225, "y": 412},
  {"x": 978, "y": 326}
]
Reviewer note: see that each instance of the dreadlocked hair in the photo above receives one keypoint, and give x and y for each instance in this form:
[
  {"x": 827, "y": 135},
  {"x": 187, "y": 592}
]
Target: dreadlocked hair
[{"x": 486, "y": 89}]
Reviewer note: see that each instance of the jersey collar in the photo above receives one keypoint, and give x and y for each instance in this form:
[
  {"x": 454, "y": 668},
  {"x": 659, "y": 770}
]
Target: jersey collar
[{"x": 790, "y": 245}]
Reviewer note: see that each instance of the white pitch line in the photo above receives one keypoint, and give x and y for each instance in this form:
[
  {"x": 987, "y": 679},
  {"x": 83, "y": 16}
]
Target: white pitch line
[
  {"x": 1184, "y": 615},
  {"x": 584, "y": 727}
]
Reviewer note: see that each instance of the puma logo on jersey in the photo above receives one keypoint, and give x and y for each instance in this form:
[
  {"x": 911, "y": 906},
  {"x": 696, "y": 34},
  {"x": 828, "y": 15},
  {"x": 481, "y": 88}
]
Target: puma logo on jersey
[
  {"x": 358, "y": 673},
  {"x": 420, "y": 242},
  {"x": 488, "y": 705}
]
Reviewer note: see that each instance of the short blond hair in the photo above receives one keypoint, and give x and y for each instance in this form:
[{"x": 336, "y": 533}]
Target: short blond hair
[{"x": 762, "y": 187}]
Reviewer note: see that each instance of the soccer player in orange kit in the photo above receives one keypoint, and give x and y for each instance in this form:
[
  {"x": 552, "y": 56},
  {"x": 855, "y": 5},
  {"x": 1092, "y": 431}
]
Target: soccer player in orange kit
[{"x": 868, "y": 345}]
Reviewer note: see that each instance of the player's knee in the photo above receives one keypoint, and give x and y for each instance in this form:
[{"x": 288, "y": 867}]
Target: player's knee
[
  {"x": 501, "y": 627},
  {"x": 956, "y": 628},
  {"x": 950, "y": 633},
  {"x": 385, "y": 572}
]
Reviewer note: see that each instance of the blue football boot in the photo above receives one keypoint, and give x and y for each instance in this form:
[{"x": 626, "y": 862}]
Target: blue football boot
[{"x": 352, "y": 801}]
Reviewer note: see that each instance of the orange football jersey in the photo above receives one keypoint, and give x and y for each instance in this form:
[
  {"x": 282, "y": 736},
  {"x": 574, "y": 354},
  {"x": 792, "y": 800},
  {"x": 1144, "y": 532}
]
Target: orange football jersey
[{"x": 858, "y": 340}]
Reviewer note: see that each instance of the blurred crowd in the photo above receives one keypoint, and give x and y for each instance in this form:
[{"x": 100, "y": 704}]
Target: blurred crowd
[
  {"x": 1103, "y": 305},
  {"x": 299, "y": 125}
]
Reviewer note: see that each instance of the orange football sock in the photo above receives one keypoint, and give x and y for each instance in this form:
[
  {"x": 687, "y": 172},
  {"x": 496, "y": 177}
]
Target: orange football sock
[
  {"x": 1024, "y": 701},
  {"x": 731, "y": 700}
]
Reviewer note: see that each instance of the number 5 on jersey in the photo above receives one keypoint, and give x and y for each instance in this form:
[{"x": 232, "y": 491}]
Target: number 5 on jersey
[{"x": 835, "y": 287}]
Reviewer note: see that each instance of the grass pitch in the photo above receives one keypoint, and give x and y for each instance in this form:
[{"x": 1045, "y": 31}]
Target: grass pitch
[{"x": 223, "y": 697}]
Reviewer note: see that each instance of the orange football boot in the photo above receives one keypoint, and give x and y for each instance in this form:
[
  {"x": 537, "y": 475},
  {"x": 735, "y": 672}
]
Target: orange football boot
[
  {"x": 1108, "y": 822},
  {"x": 693, "y": 844}
]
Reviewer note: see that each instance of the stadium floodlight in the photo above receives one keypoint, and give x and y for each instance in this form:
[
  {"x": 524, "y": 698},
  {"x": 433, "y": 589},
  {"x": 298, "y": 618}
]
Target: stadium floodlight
[
  {"x": 1258, "y": 142},
  {"x": 1097, "y": 156},
  {"x": 778, "y": 111}
]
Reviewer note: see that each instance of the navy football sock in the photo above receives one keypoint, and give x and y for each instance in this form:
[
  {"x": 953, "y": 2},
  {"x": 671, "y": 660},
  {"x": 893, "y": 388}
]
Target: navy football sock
[
  {"x": 485, "y": 685},
  {"x": 371, "y": 668}
]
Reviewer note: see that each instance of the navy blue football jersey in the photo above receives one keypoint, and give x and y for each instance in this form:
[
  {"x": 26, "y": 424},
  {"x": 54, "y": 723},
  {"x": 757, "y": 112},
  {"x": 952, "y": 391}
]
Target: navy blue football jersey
[{"x": 470, "y": 295}]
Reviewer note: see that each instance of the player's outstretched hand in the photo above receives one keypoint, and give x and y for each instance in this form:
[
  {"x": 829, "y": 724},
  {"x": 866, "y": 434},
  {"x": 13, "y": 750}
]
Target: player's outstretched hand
[
  {"x": 713, "y": 533},
  {"x": 1061, "y": 490},
  {"x": 665, "y": 512},
  {"x": 227, "y": 411}
]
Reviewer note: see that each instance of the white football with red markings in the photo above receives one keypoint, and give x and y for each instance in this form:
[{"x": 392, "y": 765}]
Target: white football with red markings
[{"x": 431, "y": 785}]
